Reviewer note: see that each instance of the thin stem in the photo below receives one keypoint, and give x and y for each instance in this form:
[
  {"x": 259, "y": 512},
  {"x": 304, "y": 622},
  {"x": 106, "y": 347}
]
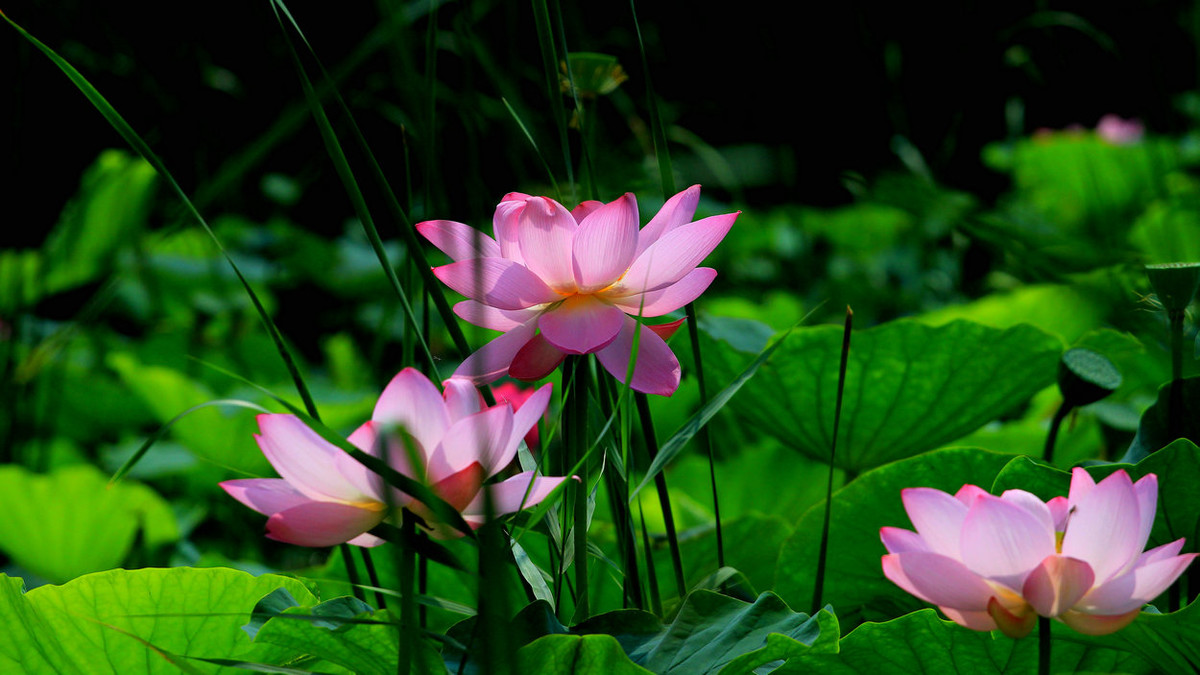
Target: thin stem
[
  {"x": 651, "y": 575},
  {"x": 618, "y": 499},
  {"x": 423, "y": 585},
  {"x": 380, "y": 600},
  {"x": 576, "y": 435},
  {"x": 408, "y": 598},
  {"x": 351, "y": 572},
  {"x": 1043, "y": 645},
  {"x": 660, "y": 484},
  {"x": 1175, "y": 404},
  {"x": 702, "y": 435},
  {"x": 819, "y": 584},
  {"x": 1052, "y": 437}
]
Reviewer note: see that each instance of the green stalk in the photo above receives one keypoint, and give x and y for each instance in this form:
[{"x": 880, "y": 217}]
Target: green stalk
[
  {"x": 663, "y": 153},
  {"x": 660, "y": 484},
  {"x": 577, "y": 437},
  {"x": 1052, "y": 437},
  {"x": 651, "y": 575},
  {"x": 618, "y": 498},
  {"x": 819, "y": 584},
  {"x": 351, "y": 572},
  {"x": 373, "y": 577},
  {"x": 408, "y": 598},
  {"x": 1043, "y": 645},
  {"x": 1175, "y": 404},
  {"x": 541, "y": 16}
]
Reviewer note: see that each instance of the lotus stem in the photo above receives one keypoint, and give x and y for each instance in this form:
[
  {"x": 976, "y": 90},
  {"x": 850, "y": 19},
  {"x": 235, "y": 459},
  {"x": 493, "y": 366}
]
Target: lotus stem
[
  {"x": 819, "y": 583},
  {"x": 660, "y": 485},
  {"x": 1043, "y": 645}
]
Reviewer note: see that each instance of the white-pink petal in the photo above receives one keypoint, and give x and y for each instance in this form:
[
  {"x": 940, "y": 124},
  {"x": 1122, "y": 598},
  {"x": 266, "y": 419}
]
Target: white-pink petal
[
  {"x": 669, "y": 299},
  {"x": 898, "y": 540},
  {"x": 1003, "y": 542},
  {"x": 678, "y": 210},
  {"x": 938, "y": 579},
  {"x": 528, "y": 415},
  {"x": 581, "y": 324},
  {"x": 1105, "y": 526},
  {"x": 493, "y": 317},
  {"x": 656, "y": 370},
  {"x": 674, "y": 255},
  {"x": 459, "y": 241},
  {"x": 546, "y": 231},
  {"x": 968, "y": 493},
  {"x": 980, "y": 621},
  {"x": 491, "y": 361},
  {"x": 304, "y": 459},
  {"x": 413, "y": 403},
  {"x": 1055, "y": 585},
  {"x": 481, "y": 438},
  {"x": 937, "y": 517},
  {"x": 498, "y": 282},
  {"x": 514, "y": 494},
  {"x": 1030, "y": 502},
  {"x": 584, "y": 209},
  {"x": 537, "y": 359},
  {"x": 1146, "y": 491},
  {"x": 322, "y": 523},
  {"x": 1134, "y": 589},
  {"x": 505, "y": 223},
  {"x": 265, "y": 495},
  {"x": 462, "y": 398},
  {"x": 1081, "y": 484},
  {"x": 604, "y": 244}
]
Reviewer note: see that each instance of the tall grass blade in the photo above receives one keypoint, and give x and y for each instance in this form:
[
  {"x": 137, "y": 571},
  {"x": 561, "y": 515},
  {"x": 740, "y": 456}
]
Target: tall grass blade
[
  {"x": 536, "y": 150},
  {"x": 677, "y": 442},
  {"x": 667, "y": 176},
  {"x": 541, "y": 17},
  {"x": 162, "y": 431},
  {"x": 819, "y": 582},
  {"x": 346, "y": 174},
  {"x": 404, "y": 224}
]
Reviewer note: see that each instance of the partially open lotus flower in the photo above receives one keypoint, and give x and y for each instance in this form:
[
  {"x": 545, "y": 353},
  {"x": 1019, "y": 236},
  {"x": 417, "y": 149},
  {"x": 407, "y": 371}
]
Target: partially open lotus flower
[
  {"x": 326, "y": 497},
  {"x": 561, "y": 282},
  {"x": 998, "y": 562}
]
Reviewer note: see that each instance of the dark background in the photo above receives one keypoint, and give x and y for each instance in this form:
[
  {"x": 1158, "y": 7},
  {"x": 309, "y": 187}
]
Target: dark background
[{"x": 821, "y": 96}]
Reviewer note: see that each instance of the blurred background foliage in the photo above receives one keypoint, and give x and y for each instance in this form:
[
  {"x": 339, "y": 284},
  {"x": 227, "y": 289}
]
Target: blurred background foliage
[{"x": 880, "y": 161}]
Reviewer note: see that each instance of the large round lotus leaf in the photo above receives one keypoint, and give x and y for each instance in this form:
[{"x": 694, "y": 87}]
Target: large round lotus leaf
[
  {"x": 909, "y": 387},
  {"x": 70, "y": 522},
  {"x": 922, "y": 642},
  {"x": 98, "y": 622}
]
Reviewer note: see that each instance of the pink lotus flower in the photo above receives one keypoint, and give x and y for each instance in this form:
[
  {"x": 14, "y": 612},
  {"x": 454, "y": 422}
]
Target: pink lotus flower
[
  {"x": 517, "y": 396},
  {"x": 561, "y": 282},
  {"x": 1119, "y": 131},
  {"x": 326, "y": 497},
  {"x": 998, "y": 562}
]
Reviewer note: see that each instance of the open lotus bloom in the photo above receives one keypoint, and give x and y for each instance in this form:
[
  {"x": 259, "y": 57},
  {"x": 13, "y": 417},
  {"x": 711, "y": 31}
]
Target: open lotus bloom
[
  {"x": 450, "y": 442},
  {"x": 998, "y": 562},
  {"x": 561, "y": 282}
]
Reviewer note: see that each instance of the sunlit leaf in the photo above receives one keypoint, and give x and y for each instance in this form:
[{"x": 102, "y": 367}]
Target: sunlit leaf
[
  {"x": 909, "y": 387},
  {"x": 921, "y": 642},
  {"x": 188, "y": 612},
  {"x": 67, "y": 523}
]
